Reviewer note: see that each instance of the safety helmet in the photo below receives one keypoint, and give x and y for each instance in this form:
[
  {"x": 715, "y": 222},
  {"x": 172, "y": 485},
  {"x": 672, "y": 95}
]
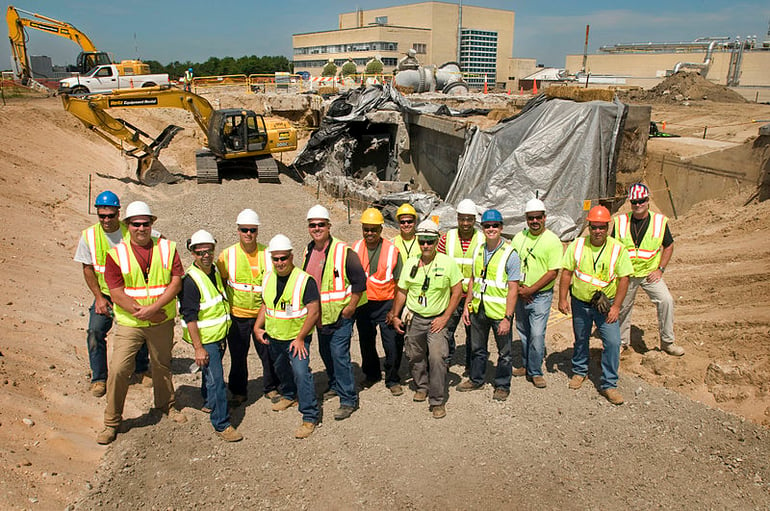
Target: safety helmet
[
  {"x": 199, "y": 238},
  {"x": 189, "y": 69},
  {"x": 492, "y": 215},
  {"x": 247, "y": 217},
  {"x": 280, "y": 243},
  {"x": 318, "y": 211},
  {"x": 139, "y": 208},
  {"x": 406, "y": 209},
  {"x": 638, "y": 191},
  {"x": 372, "y": 216},
  {"x": 599, "y": 214},
  {"x": 427, "y": 228},
  {"x": 534, "y": 205},
  {"x": 466, "y": 207},
  {"x": 108, "y": 199}
]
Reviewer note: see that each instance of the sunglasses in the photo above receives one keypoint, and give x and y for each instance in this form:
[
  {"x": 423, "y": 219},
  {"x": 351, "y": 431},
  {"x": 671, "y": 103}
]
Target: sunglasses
[
  {"x": 535, "y": 217},
  {"x": 636, "y": 202},
  {"x": 104, "y": 216},
  {"x": 279, "y": 259},
  {"x": 141, "y": 224},
  {"x": 371, "y": 229},
  {"x": 493, "y": 225},
  {"x": 316, "y": 225},
  {"x": 202, "y": 253},
  {"x": 426, "y": 241},
  {"x": 244, "y": 230},
  {"x": 598, "y": 227},
  {"x": 405, "y": 221}
]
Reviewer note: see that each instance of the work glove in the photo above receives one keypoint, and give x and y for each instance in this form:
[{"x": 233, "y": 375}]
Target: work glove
[{"x": 600, "y": 302}]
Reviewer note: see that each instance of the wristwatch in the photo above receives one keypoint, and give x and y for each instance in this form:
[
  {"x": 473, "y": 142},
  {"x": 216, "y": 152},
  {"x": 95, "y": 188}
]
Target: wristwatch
[
  {"x": 509, "y": 317},
  {"x": 662, "y": 269}
]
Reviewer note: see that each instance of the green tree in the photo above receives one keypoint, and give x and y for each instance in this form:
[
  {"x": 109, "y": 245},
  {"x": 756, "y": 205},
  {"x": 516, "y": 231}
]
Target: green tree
[
  {"x": 349, "y": 68},
  {"x": 329, "y": 69}
]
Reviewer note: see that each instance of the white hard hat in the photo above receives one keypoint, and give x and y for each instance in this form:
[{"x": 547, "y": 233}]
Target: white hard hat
[
  {"x": 466, "y": 207},
  {"x": 318, "y": 211},
  {"x": 534, "y": 205},
  {"x": 427, "y": 228},
  {"x": 139, "y": 208},
  {"x": 200, "y": 237},
  {"x": 247, "y": 217},
  {"x": 280, "y": 243}
]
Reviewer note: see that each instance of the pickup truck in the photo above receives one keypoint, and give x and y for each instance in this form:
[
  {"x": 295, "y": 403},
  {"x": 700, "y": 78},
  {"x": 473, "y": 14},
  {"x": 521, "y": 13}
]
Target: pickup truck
[{"x": 106, "y": 78}]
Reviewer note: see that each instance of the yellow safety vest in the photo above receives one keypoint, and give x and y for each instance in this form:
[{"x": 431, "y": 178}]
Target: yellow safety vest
[
  {"x": 99, "y": 245},
  {"x": 464, "y": 260},
  {"x": 646, "y": 257},
  {"x": 135, "y": 286},
  {"x": 494, "y": 284},
  {"x": 586, "y": 280},
  {"x": 214, "y": 313},
  {"x": 284, "y": 319},
  {"x": 406, "y": 251},
  {"x": 244, "y": 288}
]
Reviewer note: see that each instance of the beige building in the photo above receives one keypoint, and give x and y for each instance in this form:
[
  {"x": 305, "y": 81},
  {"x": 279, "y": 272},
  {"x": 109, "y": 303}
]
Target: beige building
[{"x": 431, "y": 28}]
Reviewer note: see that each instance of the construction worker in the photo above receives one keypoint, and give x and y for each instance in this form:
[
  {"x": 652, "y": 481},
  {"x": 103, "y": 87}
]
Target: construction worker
[
  {"x": 91, "y": 252},
  {"x": 406, "y": 241},
  {"x": 290, "y": 310},
  {"x": 494, "y": 287},
  {"x": 382, "y": 266},
  {"x": 595, "y": 272},
  {"x": 343, "y": 288},
  {"x": 244, "y": 265},
  {"x": 144, "y": 276},
  {"x": 430, "y": 287},
  {"x": 188, "y": 79},
  {"x": 460, "y": 244},
  {"x": 649, "y": 242},
  {"x": 540, "y": 251},
  {"x": 205, "y": 315}
]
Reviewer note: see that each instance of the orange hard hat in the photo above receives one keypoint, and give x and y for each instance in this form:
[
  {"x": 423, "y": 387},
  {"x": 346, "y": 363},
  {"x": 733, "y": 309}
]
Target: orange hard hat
[{"x": 599, "y": 214}]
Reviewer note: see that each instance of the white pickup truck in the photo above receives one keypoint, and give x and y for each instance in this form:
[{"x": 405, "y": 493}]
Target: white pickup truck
[{"x": 106, "y": 78}]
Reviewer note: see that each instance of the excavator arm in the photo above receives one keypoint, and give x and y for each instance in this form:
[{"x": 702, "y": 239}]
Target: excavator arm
[{"x": 92, "y": 112}]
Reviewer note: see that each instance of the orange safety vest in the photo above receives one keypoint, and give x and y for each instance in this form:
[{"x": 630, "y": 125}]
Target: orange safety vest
[{"x": 380, "y": 285}]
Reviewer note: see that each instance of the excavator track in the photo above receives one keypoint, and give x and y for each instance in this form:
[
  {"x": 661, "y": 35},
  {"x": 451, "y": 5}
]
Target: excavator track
[
  {"x": 267, "y": 169},
  {"x": 207, "y": 167}
]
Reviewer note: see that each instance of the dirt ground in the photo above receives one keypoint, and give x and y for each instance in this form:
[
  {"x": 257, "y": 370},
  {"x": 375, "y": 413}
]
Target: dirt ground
[{"x": 692, "y": 434}]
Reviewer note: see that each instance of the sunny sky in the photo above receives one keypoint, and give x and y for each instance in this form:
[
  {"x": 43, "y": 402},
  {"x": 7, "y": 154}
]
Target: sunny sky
[{"x": 168, "y": 30}]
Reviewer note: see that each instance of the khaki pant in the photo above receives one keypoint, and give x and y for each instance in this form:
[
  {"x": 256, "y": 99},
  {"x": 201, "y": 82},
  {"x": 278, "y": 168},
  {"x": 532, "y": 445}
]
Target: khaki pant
[
  {"x": 664, "y": 302},
  {"x": 127, "y": 341},
  {"x": 423, "y": 348}
]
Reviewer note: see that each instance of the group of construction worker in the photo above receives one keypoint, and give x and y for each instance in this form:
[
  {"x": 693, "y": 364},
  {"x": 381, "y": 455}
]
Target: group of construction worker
[{"x": 415, "y": 289}]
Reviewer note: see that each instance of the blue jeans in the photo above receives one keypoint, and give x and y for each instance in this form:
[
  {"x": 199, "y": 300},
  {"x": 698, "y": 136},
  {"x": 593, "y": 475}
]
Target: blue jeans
[
  {"x": 96, "y": 341},
  {"x": 480, "y": 326},
  {"x": 334, "y": 346},
  {"x": 583, "y": 318},
  {"x": 296, "y": 378},
  {"x": 368, "y": 317},
  {"x": 213, "y": 386},
  {"x": 531, "y": 320}
]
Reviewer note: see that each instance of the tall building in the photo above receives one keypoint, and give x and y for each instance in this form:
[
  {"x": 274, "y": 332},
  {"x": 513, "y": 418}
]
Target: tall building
[{"x": 433, "y": 29}]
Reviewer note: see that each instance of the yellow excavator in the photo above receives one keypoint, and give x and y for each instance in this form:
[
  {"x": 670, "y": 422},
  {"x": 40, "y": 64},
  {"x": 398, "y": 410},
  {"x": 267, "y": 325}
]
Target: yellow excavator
[
  {"x": 234, "y": 136},
  {"x": 88, "y": 58}
]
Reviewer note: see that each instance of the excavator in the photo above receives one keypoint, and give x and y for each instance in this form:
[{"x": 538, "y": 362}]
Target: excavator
[
  {"x": 88, "y": 58},
  {"x": 234, "y": 137}
]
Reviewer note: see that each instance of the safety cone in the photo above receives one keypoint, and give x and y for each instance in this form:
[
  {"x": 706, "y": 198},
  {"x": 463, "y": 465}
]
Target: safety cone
[
  {"x": 664, "y": 125},
  {"x": 485, "y": 84},
  {"x": 131, "y": 81},
  {"x": 534, "y": 88}
]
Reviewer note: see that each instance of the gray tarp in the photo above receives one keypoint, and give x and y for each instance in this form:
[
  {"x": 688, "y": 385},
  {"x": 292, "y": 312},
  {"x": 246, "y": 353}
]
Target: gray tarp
[{"x": 565, "y": 152}]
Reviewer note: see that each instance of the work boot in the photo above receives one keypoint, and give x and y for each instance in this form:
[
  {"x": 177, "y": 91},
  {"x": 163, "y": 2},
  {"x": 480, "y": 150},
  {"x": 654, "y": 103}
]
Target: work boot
[
  {"x": 230, "y": 434},
  {"x": 274, "y": 396},
  {"x": 576, "y": 381},
  {"x": 107, "y": 435},
  {"x": 98, "y": 388},
  {"x": 305, "y": 430},
  {"x": 329, "y": 394},
  {"x": 420, "y": 396},
  {"x": 672, "y": 349},
  {"x": 176, "y": 416},
  {"x": 283, "y": 404},
  {"x": 468, "y": 385},
  {"x": 539, "y": 382},
  {"x": 439, "y": 411},
  {"x": 396, "y": 390},
  {"x": 613, "y": 396},
  {"x": 343, "y": 412},
  {"x": 520, "y": 371},
  {"x": 500, "y": 394}
]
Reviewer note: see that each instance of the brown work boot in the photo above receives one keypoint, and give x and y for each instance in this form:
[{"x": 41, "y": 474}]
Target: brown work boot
[
  {"x": 344, "y": 411},
  {"x": 283, "y": 404},
  {"x": 576, "y": 381},
  {"x": 420, "y": 396},
  {"x": 107, "y": 435},
  {"x": 520, "y": 371},
  {"x": 468, "y": 385},
  {"x": 613, "y": 396},
  {"x": 672, "y": 349},
  {"x": 98, "y": 388},
  {"x": 176, "y": 416},
  {"x": 396, "y": 390},
  {"x": 439, "y": 411},
  {"x": 539, "y": 382},
  {"x": 305, "y": 430},
  {"x": 274, "y": 396},
  {"x": 230, "y": 434},
  {"x": 500, "y": 394}
]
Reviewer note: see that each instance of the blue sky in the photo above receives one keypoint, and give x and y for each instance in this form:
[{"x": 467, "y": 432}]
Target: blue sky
[{"x": 168, "y": 30}]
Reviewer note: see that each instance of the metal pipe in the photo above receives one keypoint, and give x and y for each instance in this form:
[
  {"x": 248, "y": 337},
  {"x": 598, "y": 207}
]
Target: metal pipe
[{"x": 585, "y": 49}]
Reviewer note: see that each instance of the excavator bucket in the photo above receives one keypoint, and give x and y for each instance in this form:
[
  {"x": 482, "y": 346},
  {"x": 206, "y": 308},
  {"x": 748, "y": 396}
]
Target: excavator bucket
[{"x": 150, "y": 170}]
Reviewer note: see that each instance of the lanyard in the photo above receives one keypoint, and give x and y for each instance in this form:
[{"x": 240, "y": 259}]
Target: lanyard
[
  {"x": 530, "y": 249},
  {"x": 489, "y": 259},
  {"x": 409, "y": 248},
  {"x": 599, "y": 255}
]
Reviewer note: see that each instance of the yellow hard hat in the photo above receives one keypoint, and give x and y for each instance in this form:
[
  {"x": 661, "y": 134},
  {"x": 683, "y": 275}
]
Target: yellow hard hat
[
  {"x": 372, "y": 216},
  {"x": 406, "y": 209}
]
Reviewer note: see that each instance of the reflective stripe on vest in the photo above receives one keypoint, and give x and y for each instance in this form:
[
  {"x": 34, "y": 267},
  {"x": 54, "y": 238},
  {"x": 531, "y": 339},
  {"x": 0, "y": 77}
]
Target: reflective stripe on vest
[
  {"x": 496, "y": 291},
  {"x": 589, "y": 278},
  {"x": 244, "y": 289},
  {"x": 214, "y": 313},
  {"x": 280, "y": 323},
  {"x": 454, "y": 249},
  {"x": 645, "y": 258},
  {"x": 380, "y": 285},
  {"x": 98, "y": 246}
]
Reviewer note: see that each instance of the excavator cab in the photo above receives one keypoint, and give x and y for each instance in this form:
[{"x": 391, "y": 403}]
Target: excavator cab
[
  {"x": 88, "y": 60},
  {"x": 235, "y": 132}
]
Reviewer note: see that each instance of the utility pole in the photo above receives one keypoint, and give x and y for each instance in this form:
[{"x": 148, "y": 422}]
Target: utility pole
[
  {"x": 459, "y": 30},
  {"x": 585, "y": 49}
]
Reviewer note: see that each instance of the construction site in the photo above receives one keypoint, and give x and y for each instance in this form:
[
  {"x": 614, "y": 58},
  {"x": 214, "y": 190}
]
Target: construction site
[{"x": 693, "y": 432}]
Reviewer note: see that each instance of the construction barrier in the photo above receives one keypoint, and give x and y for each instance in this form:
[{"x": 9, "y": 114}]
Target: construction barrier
[
  {"x": 277, "y": 82},
  {"x": 220, "y": 81}
]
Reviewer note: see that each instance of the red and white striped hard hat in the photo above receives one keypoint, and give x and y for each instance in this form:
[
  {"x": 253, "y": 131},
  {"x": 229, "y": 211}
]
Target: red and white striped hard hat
[{"x": 638, "y": 191}]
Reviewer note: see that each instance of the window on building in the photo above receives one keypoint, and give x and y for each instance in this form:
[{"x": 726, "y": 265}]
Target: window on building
[
  {"x": 420, "y": 48},
  {"x": 381, "y": 20}
]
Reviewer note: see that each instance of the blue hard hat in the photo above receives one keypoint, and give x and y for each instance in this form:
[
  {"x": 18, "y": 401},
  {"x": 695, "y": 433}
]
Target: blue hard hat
[
  {"x": 491, "y": 215},
  {"x": 107, "y": 198}
]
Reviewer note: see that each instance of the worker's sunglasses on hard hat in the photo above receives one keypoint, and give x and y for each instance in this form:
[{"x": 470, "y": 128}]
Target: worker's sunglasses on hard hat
[
  {"x": 316, "y": 224},
  {"x": 371, "y": 229},
  {"x": 492, "y": 225},
  {"x": 602, "y": 227},
  {"x": 406, "y": 221},
  {"x": 535, "y": 217},
  {"x": 279, "y": 259},
  {"x": 202, "y": 253},
  {"x": 636, "y": 202},
  {"x": 140, "y": 224},
  {"x": 426, "y": 241},
  {"x": 244, "y": 230},
  {"x": 104, "y": 216}
]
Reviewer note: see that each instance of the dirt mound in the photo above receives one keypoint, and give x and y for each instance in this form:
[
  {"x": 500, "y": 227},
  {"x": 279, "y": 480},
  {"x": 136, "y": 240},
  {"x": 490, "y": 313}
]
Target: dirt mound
[{"x": 684, "y": 86}]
